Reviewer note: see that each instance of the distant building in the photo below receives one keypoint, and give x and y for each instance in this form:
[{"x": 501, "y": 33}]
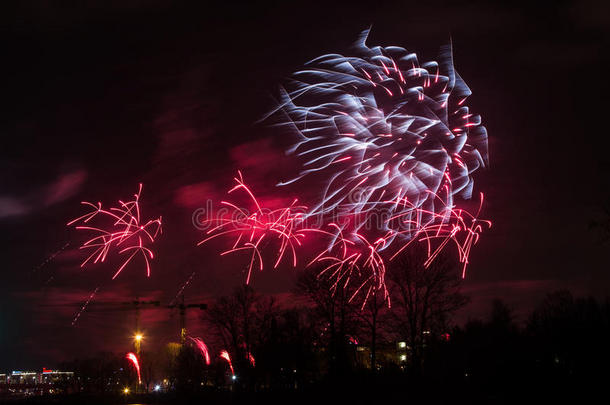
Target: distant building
[
  {"x": 19, "y": 384},
  {"x": 386, "y": 353},
  {"x": 55, "y": 376}
]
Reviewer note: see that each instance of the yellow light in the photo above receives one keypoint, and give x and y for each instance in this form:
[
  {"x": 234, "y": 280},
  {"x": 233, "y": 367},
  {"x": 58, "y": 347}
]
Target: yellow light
[
  {"x": 126, "y": 390},
  {"x": 138, "y": 337}
]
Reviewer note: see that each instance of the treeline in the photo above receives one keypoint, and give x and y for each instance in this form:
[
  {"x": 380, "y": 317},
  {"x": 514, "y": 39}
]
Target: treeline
[{"x": 333, "y": 338}]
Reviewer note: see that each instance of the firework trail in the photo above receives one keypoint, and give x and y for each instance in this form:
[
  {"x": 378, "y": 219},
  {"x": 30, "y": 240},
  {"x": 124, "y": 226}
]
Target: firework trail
[
  {"x": 203, "y": 348},
  {"x": 51, "y": 257},
  {"x": 84, "y": 306},
  {"x": 343, "y": 263},
  {"x": 251, "y": 229},
  {"x": 225, "y": 355},
  {"x": 181, "y": 289},
  {"x": 251, "y": 359},
  {"x": 458, "y": 226},
  {"x": 125, "y": 232},
  {"x": 134, "y": 360}
]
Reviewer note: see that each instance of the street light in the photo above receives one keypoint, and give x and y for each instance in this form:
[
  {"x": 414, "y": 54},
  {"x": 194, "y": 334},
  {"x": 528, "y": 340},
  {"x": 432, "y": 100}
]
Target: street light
[{"x": 138, "y": 342}]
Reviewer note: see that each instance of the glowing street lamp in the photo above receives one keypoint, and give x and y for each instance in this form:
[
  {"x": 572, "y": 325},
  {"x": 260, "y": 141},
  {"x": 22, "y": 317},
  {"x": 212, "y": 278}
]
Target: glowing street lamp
[{"x": 138, "y": 342}]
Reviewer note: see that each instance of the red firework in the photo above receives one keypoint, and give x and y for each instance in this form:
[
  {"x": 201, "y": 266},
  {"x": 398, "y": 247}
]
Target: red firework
[
  {"x": 356, "y": 259},
  {"x": 251, "y": 359},
  {"x": 350, "y": 258},
  {"x": 136, "y": 364},
  {"x": 250, "y": 230},
  {"x": 203, "y": 348},
  {"x": 226, "y": 356},
  {"x": 449, "y": 225},
  {"x": 127, "y": 232}
]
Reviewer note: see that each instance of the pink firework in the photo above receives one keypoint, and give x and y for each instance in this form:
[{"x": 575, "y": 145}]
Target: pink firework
[
  {"x": 452, "y": 225},
  {"x": 136, "y": 364},
  {"x": 126, "y": 232},
  {"x": 226, "y": 356},
  {"x": 203, "y": 349},
  {"x": 251, "y": 359},
  {"x": 346, "y": 261},
  {"x": 250, "y": 229}
]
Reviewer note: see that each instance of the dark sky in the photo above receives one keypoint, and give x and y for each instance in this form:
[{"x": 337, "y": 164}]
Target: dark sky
[{"x": 103, "y": 96}]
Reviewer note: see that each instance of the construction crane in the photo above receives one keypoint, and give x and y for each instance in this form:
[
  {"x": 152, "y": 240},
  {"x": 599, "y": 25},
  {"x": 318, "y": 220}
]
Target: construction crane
[
  {"x": 137, "y": 305},
  {"x": 182, "y": 313}
]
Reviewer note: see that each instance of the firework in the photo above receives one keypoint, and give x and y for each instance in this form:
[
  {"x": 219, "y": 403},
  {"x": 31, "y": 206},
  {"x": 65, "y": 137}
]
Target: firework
[
  {"x": 136, "y": 364},
  {"x": 84, "y": 306},
  {"x": 397, "y": 147},
  {"x": 383, "y": 129},
  {"x": 181, "y": 289},
  {"x": 344, "y": 261},
  {"x": 122, "y": 229},
  {"x": 251, "y": 229},
  {"x": 457, "y": 226},
  {"x": 226, "y": 356},
  {"x": 203, "y": 348}
]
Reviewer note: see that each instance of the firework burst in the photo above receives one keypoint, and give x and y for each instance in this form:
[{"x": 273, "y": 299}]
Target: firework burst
[
  {"x": 124, "y": 231},
  {"x": 384, "y": 131},
  {"x": 396, "y": 147},
  {"x": 250, "y": 230}
]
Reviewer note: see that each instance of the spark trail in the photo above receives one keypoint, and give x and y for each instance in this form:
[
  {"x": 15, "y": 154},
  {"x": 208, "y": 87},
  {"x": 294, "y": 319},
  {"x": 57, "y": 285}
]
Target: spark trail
[
  {"x": 250, "y": 230},
  {"x": 50, "y": 258},
  {"x": 227, "y": 357},
  {"x": 182, "y": 288},
  {"x": 84, "y": 306},
  {"x": 121, "y": 229},
  {"x": 203, "y": 348},
  {"x": 136, "y": 364}
]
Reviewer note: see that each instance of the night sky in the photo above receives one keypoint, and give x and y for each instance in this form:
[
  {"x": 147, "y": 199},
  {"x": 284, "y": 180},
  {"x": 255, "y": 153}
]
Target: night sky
[{"x": 100, "y": 97}]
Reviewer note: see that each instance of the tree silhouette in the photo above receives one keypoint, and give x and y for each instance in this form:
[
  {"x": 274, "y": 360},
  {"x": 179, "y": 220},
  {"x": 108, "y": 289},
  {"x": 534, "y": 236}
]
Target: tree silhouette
[
  {"x": 336, "y": 314},
  {"x": 243, "y": 322},
  {"x": 423, "y": 299}
]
